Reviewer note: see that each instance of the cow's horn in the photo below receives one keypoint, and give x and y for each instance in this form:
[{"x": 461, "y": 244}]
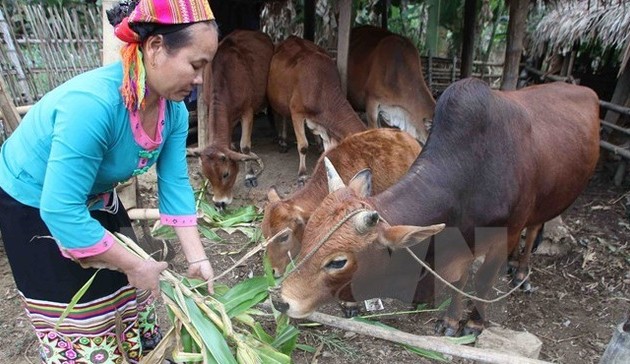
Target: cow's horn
[
  {"x": 334, "y": 180},
  {"x": 365, "y": 220}
]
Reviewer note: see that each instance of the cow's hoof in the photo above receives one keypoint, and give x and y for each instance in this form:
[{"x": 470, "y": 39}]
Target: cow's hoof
[
  {"x": 251, "y": 182},
  {"x": 443, "y": 327},
  {"x": 472, "y": 329},
  {"x": 283, "y": 146},
  {"x": 350, "y": 309},
  {"x": 525, "y": 286}
]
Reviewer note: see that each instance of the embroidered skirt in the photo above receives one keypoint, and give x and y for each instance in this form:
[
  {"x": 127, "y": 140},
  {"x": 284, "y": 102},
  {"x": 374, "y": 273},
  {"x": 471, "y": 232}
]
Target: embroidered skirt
[{"x": 110, "y": 322}]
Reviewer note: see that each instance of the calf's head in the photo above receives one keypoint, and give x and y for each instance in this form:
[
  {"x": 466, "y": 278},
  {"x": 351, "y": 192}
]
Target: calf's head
[
  {"x": 340, "y": 251},
  {"x": 220, "y": 166},
  {"x": 283, "y": 225}
]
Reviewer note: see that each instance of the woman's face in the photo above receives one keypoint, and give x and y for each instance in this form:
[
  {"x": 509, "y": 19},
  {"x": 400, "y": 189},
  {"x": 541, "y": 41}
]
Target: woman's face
[{"x": 174, "y": 74}]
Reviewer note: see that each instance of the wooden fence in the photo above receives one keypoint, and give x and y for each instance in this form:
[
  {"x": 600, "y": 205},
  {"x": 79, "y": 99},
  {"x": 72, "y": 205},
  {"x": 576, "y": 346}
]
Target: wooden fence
[{"x": 42, "y": 47}]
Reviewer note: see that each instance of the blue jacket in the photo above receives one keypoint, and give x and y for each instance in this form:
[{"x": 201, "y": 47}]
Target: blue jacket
[{"x": 79, "y": 141}]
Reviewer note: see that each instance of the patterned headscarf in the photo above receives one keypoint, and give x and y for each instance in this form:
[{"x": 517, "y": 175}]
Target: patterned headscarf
[{"x": 163, "y": 12}]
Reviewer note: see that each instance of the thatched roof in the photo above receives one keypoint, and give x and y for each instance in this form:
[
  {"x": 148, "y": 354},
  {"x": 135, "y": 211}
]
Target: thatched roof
[{"x": 585, "y": 22}]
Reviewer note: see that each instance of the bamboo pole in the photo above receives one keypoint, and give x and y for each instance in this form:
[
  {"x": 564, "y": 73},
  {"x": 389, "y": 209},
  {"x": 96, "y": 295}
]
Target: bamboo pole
[
  {"x": 143, "y": 214},
  {"x": 9, "y": 112},
  {"x": 438, "y": 344},
  {"x": 13, "y": 57}
]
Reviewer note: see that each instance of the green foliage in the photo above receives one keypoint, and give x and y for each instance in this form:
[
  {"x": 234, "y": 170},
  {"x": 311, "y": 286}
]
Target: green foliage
[{"x": 244, "y": 219}]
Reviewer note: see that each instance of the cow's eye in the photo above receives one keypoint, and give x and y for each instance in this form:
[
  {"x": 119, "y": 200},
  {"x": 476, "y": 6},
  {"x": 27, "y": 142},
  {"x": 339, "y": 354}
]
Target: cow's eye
[
  {"x": 226, "y": 175},
  {"x": 337, "y": 263}
]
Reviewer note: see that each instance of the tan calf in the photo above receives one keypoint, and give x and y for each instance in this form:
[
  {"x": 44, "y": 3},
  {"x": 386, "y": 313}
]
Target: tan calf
[
  {"x": 388, "y": 153},
  {"x": 235, "y": 86},
  {"x": 304, "y": 85},
  {"x": 385, "y": 80}
]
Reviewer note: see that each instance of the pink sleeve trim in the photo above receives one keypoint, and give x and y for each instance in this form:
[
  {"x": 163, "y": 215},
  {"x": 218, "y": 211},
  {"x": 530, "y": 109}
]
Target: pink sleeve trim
[
  {"x": 178, "y": 220},
  {"x": 100, "y": 247}
]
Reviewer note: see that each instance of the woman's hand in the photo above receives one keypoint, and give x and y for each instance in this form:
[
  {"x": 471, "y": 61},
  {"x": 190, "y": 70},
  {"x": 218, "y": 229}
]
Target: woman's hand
[
  {"x": 146, "y": 276},
  {"x": 202, "y": 270}
]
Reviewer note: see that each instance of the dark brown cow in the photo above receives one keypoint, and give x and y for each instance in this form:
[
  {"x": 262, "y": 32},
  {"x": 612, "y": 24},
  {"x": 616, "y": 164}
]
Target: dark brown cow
[
  {"x": 494, "y": 164},
  {"x": 385, "y": 79},
  {"x": 304, "y": 85},
  {"x": 388, "y": 153},
  {"x": 235, "y": 88}
]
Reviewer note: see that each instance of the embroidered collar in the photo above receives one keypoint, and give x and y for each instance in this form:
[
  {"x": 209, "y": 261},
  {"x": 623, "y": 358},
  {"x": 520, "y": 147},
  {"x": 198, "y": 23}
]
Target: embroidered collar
[{"x": 140, "y": 136}]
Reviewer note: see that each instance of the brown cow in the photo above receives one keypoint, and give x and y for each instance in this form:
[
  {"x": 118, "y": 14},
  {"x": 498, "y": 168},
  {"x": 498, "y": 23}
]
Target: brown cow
[
  {"x": 385, "y": 79},
  {"x": 494, "y": 164},
  {"x": 387, "y": 152},
  {"x": 304, "y": 85},
  {"x": 235, "y": 88}
]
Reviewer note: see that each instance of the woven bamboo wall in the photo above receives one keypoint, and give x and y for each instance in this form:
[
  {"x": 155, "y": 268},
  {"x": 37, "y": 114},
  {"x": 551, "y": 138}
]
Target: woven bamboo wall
[{"x": 42, "y": 47}]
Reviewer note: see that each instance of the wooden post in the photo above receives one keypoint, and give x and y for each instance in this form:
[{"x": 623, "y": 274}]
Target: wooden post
[
  {"x": 383, "y": 6},
  {"x": 309, "y": 20},
  {"x": 468, "y": 46},
  {"x": 430, "y": 70},
  {"x": 343, "y": 41},
  {"x": 620, "y": 97},
  {"x": 202, "y": 117},
  {"x": 439, "y": 344},
  {"x": 15, "y": 60},
  {"x": 514, "y": 47},
  {"x": 9, "y": 112}
]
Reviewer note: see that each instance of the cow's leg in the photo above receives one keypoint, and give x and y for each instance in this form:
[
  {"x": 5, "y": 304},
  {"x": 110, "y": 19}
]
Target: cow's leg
[
  {"x": 485, "y": 278},
  {"x": 282, "y": 137},
  {"x": 534, "y": 233},
  {"x": 302, "y": 145},
  {"x": 371, "y": 110},
  {"x": 247, "y": 124},
  {"x": 449, "y": 324}
]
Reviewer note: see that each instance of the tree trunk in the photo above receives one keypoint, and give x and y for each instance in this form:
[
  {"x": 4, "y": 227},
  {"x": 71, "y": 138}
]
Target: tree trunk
[
  {"x": 432, "y": 27},
  {"x": 514, "y": 47},
  {"x": 309, "y": 20},
  {"x": 468, "y": 47},
  {"x": 343, "y": 41}
]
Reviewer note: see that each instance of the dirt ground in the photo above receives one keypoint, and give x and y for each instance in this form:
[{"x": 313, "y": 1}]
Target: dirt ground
[{"x": 580, "y": 291}]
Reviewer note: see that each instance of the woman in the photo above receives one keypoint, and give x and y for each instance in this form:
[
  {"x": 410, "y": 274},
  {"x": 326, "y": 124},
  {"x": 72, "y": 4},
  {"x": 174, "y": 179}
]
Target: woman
[{"x": 58, "y": 170}]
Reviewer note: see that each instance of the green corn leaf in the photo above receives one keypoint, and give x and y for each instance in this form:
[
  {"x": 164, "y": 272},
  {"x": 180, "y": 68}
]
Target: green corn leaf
[
  {"x": 462, "y": 340},
  {"x": 267, "y": 353},
  {"x": 211, "y": 336},
  {"x": 244, "y": 295},
  {"x": 262, "y": 334},
  {"x": 209, "y": 233},
  {"x": 209, "y": 210},
  {"x": 77, "y": 296},
  {"x": 286, "y": 340},
  {"x": 163, "y": 232},
  {"x": 271, "y": 281},
  {"x": 307, "y": 348},
  {"x": 425, "y": 353}
]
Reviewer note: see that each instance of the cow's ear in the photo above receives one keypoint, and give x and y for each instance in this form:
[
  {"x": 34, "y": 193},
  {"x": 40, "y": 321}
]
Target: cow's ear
[
  {"x": 273, "y": 195},
  {"x": 361, "y": 183},
  {"x": 334, "y": 180},
  {"x": 404, "y": 236}
]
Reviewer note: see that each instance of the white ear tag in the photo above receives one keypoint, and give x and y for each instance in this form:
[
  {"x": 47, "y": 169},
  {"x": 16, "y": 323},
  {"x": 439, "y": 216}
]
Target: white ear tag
[{"x": 374, "y": 304}]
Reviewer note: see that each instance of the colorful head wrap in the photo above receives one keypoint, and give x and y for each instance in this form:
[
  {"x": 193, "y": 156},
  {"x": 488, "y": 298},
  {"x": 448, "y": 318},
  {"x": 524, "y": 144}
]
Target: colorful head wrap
[{"x": 162, "y": 12}]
